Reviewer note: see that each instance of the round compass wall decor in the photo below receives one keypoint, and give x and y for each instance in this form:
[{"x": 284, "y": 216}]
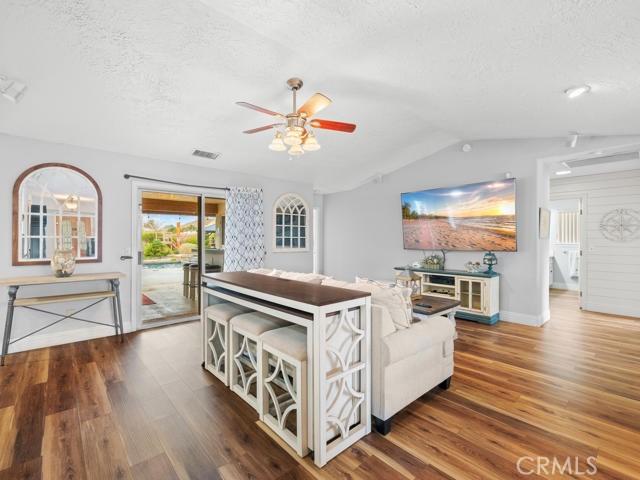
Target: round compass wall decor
[{"x": 621, "y": 225}]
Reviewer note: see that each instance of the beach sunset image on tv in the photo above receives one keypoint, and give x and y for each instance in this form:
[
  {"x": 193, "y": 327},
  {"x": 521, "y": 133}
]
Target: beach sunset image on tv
[{"x": 479, "y": 216}]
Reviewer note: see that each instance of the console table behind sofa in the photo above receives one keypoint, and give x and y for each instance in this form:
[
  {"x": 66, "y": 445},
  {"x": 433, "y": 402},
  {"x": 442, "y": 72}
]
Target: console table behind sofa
[{"x": 338, "y": 323}]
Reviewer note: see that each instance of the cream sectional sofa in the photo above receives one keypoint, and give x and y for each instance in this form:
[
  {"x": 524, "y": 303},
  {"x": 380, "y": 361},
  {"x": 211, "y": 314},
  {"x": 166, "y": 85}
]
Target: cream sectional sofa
[{"x": 409, "y": 357}]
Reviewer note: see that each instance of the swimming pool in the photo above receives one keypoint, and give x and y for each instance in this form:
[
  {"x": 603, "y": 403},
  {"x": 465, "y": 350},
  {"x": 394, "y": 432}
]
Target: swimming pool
[{"x": 162, "y": 265}]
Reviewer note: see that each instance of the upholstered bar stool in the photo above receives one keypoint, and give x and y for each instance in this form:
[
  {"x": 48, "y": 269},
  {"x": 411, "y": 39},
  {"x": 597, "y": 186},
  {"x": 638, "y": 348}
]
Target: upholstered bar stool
[
  {"x": 283, "y": 385},
  {"x": 244, "y": 350},
  {"x": 217, "y": 319}
]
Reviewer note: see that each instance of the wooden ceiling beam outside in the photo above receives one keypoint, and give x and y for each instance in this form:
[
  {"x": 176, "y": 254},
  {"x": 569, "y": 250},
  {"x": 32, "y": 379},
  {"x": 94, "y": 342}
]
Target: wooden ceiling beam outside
[{"x": 175, "y": 207}]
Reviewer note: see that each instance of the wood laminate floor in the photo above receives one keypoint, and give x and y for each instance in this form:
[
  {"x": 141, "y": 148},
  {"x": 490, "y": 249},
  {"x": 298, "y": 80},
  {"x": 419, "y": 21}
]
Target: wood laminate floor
[{"x": 145, "y": 409}]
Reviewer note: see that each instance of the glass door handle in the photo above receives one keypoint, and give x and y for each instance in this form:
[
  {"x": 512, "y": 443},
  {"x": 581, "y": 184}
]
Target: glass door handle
[{"x": 126, "y": 257}]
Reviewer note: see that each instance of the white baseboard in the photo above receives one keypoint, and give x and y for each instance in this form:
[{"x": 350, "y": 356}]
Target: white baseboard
[
  {"x": 60, "y": 338},
  {"x": 612, "y": 309},
  {"x": 565, "y": 286},
  {"x": 546, "y": 316},
  {"x": 523, "y": 318}
]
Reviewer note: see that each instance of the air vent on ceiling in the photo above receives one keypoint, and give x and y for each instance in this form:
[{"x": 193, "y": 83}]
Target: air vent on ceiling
[
  {"x": 603, "y": 159},
  {"x": 204, "y": 154}
]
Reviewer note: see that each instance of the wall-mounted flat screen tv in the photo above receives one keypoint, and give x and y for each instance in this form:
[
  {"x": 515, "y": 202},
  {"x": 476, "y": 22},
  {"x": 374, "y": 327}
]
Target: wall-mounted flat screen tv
[{"x": 478, "y": 216}]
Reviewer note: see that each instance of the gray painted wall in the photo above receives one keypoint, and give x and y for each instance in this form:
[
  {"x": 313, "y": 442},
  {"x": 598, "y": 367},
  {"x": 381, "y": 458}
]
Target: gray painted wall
[
  {"x": 362, "y": 230},
  {"x": 18, "y": 154}
]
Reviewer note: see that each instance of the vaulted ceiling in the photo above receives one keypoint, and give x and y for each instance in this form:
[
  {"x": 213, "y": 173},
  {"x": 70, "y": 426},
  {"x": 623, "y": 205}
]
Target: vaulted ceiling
[{"x": 159, "y": 78}]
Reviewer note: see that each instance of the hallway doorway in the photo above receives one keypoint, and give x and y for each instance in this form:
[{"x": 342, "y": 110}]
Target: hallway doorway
[{"x": 566, "y": 248}]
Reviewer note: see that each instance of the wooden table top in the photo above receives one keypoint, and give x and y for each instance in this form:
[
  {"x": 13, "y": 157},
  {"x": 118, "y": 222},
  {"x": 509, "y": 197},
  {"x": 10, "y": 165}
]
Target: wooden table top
[
  {"x": 49, "y": 279},
  {"x": 432, "y": 305},
  {"x": 303, "y": 292}
]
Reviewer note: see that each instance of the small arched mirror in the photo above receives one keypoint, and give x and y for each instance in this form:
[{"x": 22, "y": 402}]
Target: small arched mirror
[{"x": 56, "y": 206}]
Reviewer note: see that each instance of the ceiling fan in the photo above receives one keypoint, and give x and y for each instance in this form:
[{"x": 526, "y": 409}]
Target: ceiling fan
[{"x": 293, "y": 132}]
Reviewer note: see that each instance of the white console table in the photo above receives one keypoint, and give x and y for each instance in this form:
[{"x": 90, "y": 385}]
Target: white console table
[
  {"x": 35, "y": 303},
  {"x": 338, "y": 323}
]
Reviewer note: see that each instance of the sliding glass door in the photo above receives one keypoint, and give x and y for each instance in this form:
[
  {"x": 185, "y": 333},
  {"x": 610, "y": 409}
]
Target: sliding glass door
[
  {"x": 213, "y": 220},
  {"x": 181, "y": 235}
]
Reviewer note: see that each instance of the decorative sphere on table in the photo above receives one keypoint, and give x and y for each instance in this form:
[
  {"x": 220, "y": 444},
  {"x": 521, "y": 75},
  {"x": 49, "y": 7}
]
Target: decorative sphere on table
[
  {"x": 63, "y": 263},
  {"x": 490, "y": 260}
]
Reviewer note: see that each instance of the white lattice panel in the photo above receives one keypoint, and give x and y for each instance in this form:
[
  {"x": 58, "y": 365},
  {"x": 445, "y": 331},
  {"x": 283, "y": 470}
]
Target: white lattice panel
[{"x": 345, "y": 390}]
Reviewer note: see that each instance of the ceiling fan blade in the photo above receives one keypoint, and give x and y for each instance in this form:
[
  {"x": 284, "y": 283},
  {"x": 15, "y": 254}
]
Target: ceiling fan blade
[
  {"x": 315, "y": 104},
  {"x": 259, "y": 109},
  {"x": 262, "y": 129},
  {"x": 333, "y": 125}
]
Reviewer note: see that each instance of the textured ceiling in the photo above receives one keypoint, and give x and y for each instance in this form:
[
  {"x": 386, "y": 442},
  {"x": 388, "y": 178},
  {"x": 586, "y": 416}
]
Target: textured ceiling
[{"x": 160, "y": 78}]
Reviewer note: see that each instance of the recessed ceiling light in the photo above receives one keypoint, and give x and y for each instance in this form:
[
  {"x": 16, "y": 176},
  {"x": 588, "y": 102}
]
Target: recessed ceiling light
[{"x": 575, "y": 92}]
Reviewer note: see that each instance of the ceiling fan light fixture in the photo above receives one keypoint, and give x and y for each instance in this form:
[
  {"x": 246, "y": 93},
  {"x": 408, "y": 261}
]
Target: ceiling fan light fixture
[
  {"x": 293, "y": 129},
  {"x": 293, "y": 136},
  {"x": 311, "y": 143},
  {"x": 296, "y": 150},
  {"x": 277, "y": 145}
]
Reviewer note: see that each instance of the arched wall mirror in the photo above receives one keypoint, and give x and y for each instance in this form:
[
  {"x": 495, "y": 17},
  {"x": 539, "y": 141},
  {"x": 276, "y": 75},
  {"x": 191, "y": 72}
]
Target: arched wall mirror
[
  {"x": 56, "y": 206},
  {"x": 290, "y": 214}
]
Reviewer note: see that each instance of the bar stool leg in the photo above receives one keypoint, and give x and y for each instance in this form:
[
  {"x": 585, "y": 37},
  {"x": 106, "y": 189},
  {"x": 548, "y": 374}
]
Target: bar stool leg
[
  {"x": 263, "y": 367},
  {"x": 232, "y": 369},
  {"x": 13, "y": 291},
  {"x": 217, "y": 334},
  {"x": 242, "y": 377},
  {"x": 301, "y": 414},
  {"x": 294, "y": 398}
]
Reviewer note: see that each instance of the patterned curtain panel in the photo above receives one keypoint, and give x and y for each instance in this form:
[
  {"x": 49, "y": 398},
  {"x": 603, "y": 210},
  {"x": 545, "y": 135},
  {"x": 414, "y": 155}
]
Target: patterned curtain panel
[{"x": 244, "y": 236}]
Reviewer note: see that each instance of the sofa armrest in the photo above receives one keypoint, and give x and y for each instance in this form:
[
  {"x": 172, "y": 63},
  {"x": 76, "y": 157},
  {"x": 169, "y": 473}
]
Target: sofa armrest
[{"x": 429, "y": 332}]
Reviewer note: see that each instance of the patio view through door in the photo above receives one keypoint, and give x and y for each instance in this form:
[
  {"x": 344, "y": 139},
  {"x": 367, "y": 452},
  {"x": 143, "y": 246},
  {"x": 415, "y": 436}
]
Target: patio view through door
[{"x": 175, "y": 241}]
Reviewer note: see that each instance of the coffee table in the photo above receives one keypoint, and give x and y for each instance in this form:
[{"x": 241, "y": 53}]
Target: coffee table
[{"x": 429, "y": 305}]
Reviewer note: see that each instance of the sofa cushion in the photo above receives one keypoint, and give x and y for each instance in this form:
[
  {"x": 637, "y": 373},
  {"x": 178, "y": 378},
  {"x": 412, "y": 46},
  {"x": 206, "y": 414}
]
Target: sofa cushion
[
  {"x": 422, "y": 335},
  {"x": 261, "y": 271},
  {"x": 224, "y": 311},
  {"x": 315, "y": 278},
  {"x": 381, "y": 322},
  {"x": 396, "y": 299},
  {"x": 332, "y": 282},
  {"x": 290, "y": 340},
  {"x": 389, "y": 300},
  {"x": 257, "y": 323}
]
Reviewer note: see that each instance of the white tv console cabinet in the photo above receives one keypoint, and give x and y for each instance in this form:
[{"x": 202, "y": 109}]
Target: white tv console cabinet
[{"x": 478, "y": 292}]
